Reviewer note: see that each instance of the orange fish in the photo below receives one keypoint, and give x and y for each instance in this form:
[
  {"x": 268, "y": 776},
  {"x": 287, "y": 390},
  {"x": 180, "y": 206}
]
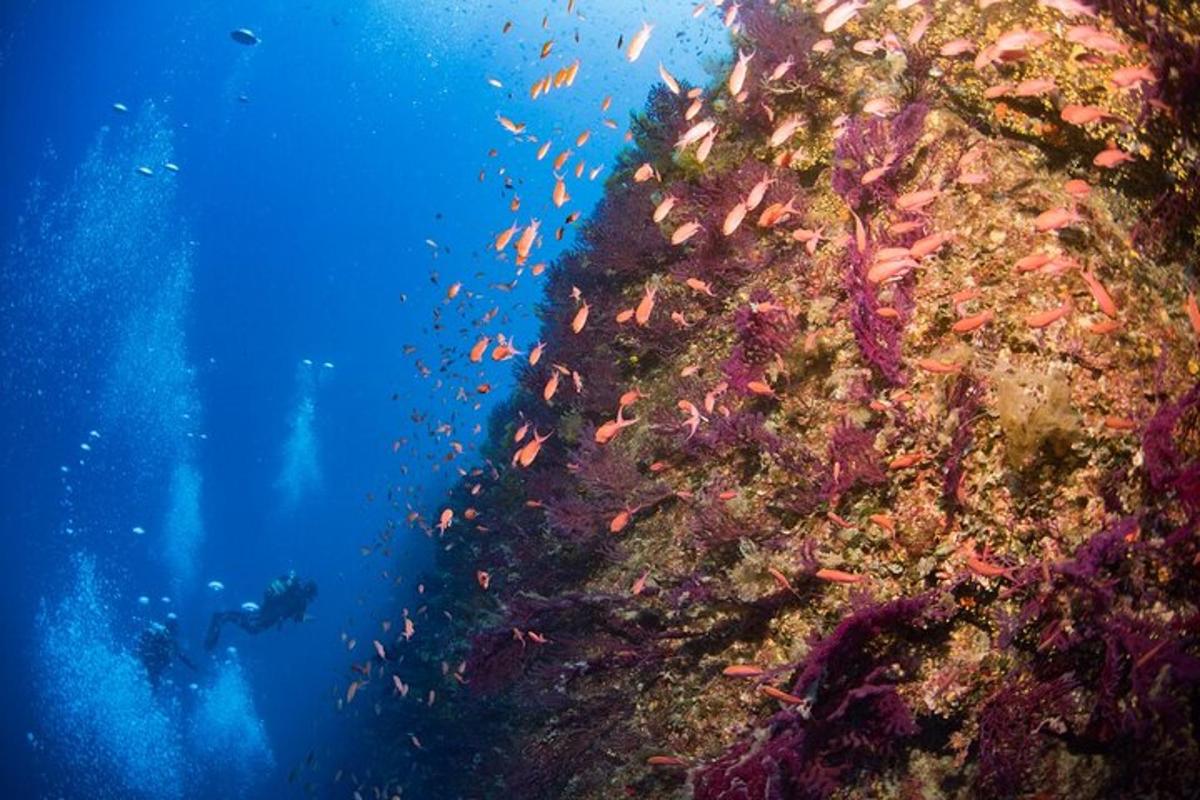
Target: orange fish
[
  {"x": 1099, "y": 294},
  {"x": 838, "y": 576},
  {"x": 973, "y": 322},
  {"x": 639, "y": 585},
  {"x": 642, "y": 314},
  {"x": 525, "y": 242},
  {"x": 505, "y": 236},
  {"x": 742, "y": 671},
  {"x": 478, "y": 350},
  {"x": 938, "y": 367},
  {"x": 483, "y": 578},
  {"x": 915, "y": 200},
  {"x": 734, "y": 218},
  {"x": 618, "y": 523},
  {"x": 1083, "y": 115},
  {"x": 703, "y": 287},
  {"x": 580, "y": 318},
  {"x": 445, "y": 520},
  {"x": 666, "y": 761},
  {"x": 1055, "y": 218},
  {"x": 551, "y": 387},
  {"x": 668, "y": 79},
  {"x": 737, "y": 77},
  {"x": 608, "y": 431},
  {"x": 1193, "y": 313},
  {"x": 535, "y": 355},
  {"x": 684, "y": 232},
  {"x": 559, "y": 195},
  {"x": 1111, "y": 158},
  {"x": 638, "y": 42},
  {"x": 526, "y": 455},
  {"x": 780, "y": 695},
  {"x": 509, "y": 125},
  {"x": 1041, "y": 319},
  {"x": 664, "y": 208}
]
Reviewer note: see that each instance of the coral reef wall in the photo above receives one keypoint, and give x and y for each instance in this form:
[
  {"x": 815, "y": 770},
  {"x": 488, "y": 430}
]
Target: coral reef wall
[{"x": 863, "y": 456}]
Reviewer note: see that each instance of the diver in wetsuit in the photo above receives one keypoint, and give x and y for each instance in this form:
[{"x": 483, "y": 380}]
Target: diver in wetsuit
[
  {"x": 158, "y": 646},
  {"x": 287, "y": 597}
]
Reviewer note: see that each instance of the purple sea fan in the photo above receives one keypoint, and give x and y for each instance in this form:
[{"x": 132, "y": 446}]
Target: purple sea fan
[
  {"x": 875, "y": 144},
  {"x": 1011, "y": 737},
  {"x": 853, "y": 718},
  {"x": 854, "y": 461},
  {"x": 1167, "y": 467},
  {"x": 878, "y": 338}
]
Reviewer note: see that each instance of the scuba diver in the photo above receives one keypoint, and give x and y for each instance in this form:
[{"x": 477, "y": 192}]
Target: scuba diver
[
  {"x": 287, "y": 597},
  {"x": 158, "y": 646}
]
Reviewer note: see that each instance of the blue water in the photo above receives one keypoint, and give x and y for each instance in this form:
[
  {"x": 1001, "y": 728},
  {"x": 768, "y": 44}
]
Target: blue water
[{"x": 246, "y": 359}]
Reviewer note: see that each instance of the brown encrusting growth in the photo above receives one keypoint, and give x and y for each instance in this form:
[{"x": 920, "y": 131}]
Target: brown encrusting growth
[{"x": 872, "y": 468}]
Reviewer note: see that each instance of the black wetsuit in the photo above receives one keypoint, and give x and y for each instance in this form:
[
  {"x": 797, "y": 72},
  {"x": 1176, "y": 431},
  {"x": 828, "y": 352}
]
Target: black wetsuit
[
  {"x": 286, "y": 598},
  {"x": 157, "y": 647}
]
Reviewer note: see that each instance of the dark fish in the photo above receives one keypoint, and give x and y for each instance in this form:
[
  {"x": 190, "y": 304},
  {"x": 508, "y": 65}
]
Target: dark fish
[{"x": 244, "y": 36}]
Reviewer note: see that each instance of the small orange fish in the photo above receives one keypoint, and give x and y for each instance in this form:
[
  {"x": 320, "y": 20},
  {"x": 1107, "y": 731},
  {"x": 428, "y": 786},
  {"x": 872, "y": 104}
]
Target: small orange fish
[
  {"x": 1042, "y": 319},
  {"x": 639, "y": 585},
  {"x": 535, "y": 355},
  {"x": 1083, "y": 115},
  {"x": 668, "y": 79},
  {"x": 618, "y": 523},
  {"x": 742, "y": 671},
  {"x": 580, "y": 318},
  {"x": 642, "y": 314},
  {"x": 509, "y": 125},
  {"x": 479, "y": 349},
  {"x": 915, "y": 200},
  {"x": 638, "y": 43},
  {"x": 780, "y": 695},
  {"x": 838, "y": 576},
  {"x": 684, "y": 232},
  {"x": 551, "y": 387},
  {"x": 663, "y": 208},
  {"x": 906, "y": 460},
  {"x": 526, "y": 455},
  {"x": 1111, "y": 158},
  {"x": 938, "y": 367},
  {"x": 1077, "y": 188},
  {"x": 483, "y": 579},
  {"x": 445, "y": 520},
  {"x": 1099, "y": 294},
  {"x": 703, "y": 287},
  {"x": 1055, "y": 218},
  {"x": 973, "y": 322},
  {"x": 505, "y": 236},
  {"x": 884, "y": 521},
  {"x": 737, "y": 77},
  {"x": 666, "y": 761},
  {"x": 1193, "y": 312},
  {"x": 734, "y": 219}
]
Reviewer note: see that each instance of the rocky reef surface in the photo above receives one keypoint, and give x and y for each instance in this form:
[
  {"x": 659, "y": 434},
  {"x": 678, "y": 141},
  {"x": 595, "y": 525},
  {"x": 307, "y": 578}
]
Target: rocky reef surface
[{"x": 863, "y": 457}]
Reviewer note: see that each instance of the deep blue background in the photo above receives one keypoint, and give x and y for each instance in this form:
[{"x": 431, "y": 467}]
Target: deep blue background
[{"x": 309, "y": 206}]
